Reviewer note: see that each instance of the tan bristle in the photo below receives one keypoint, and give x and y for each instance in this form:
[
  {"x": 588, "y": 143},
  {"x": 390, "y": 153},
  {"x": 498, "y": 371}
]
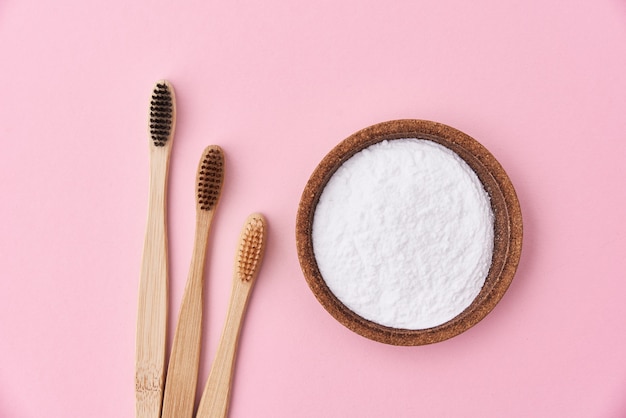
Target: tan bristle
[
  {"x": 251, "y": 246},
  {"x": 162, "y": 108},
  {"x": 210, "y": 177}
]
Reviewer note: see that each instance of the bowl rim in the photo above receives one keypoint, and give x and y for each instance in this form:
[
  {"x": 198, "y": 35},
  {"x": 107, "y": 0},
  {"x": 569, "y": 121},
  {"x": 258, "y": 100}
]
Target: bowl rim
[{"x": 508, "y": 229}]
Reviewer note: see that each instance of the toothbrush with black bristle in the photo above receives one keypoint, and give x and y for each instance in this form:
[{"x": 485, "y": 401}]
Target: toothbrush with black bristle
[
  {"x": 215, "y": 399},
  {"x": 182, "y": 371},
  {"x": 152, "y": 307}
]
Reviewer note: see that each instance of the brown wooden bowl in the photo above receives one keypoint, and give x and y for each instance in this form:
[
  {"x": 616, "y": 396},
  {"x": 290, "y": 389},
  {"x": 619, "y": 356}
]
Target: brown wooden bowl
[{"x": 507, "y": 229}]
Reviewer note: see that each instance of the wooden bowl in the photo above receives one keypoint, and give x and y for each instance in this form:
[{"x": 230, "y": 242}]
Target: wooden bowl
[{"x": 507, "y": 229}]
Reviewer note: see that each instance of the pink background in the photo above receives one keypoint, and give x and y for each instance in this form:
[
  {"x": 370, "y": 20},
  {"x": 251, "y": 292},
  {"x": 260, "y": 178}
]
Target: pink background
[{"x": 277, "y": 83}]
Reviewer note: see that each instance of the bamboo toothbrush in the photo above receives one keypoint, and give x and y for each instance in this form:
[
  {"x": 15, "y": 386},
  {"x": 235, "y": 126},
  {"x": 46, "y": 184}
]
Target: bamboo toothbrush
[
  {"x": 152, "y": 307},
  {"x": 182, "y": 372},
  {"x": 216, "y": 397}
]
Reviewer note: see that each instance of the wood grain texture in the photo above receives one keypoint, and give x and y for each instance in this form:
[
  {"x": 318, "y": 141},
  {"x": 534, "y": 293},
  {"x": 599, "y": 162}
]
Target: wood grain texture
[
  {"x": 215, "y": 399},
  {"x": 151, "y": 339},
  {"x": 152, "y": 305},
  {"x": 182, "y": 372}
]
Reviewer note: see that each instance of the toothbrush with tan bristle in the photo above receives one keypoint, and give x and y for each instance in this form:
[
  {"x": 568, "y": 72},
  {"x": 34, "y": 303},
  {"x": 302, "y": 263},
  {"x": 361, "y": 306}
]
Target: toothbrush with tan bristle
[
  {"x": 182, "y": 372},
  {"x": 152, "y": 306},
  {"x": 216, "y": 397}
]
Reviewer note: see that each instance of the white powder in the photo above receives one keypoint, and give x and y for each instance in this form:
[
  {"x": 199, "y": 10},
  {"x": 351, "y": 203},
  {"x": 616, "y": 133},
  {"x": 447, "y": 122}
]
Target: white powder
[{"x": 403, "y": 234}]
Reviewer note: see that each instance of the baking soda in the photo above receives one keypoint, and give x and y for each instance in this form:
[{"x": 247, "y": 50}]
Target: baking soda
[{"x": 403, "y": 234}]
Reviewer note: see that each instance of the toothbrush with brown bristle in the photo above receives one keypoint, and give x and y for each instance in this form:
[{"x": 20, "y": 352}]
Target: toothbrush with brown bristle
[
  {"x": 182, "y": 372},
  {"x": 216, "y": 397},
  {"x": 152, "y": 306}
]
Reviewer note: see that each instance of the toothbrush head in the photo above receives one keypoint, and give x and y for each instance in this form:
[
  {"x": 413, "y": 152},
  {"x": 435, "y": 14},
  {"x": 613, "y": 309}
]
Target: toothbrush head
[
  {"x": 251, "y": 247},
  {"x": 210, "y": 178},
  {"x": 162, "y": 113}
]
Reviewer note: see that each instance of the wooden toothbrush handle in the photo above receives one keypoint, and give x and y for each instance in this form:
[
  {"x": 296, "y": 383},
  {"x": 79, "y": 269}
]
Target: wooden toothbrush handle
[
  {"x": 152, "y": 306},
  {"x": 182, "y": 372},
  {"x": 216, "y": 397}
]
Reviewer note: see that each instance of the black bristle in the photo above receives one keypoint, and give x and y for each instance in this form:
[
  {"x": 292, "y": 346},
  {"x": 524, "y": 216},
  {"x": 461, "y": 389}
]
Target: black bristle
[
  {"x": 161, "y": 114},
  {"x": 210, "y": 177}
]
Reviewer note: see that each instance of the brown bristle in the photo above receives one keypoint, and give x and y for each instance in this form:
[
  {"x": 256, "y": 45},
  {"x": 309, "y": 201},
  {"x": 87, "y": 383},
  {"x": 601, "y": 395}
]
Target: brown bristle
[
  {"x": 161, "y": 113},
  {"x": 210, "y": 177},
  {"x": 251, "y": 245}
]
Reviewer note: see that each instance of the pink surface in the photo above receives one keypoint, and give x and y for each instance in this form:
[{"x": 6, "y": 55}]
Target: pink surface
[{"x": 542, "y": 84}]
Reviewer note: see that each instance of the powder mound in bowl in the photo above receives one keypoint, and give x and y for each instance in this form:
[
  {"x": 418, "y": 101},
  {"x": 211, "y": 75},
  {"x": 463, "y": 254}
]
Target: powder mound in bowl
[{"x": 403, "y": 234}]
